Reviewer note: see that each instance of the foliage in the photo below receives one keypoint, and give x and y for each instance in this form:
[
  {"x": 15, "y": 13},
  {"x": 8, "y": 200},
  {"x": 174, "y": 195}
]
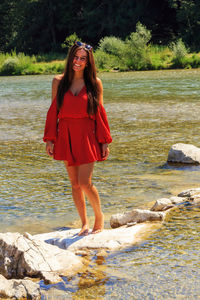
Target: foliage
[
  {"x": 70, "y": 40},
  {"x": 21, "y": 64},
  {"x": 136, "y": 54},
  {"x": 179, "y": 52},
  {"x": 188, "y": 25},
  {"x": 112, "y": 45},
  {"x": 41, "y": 26},
  {"x": 105, "y": 61},
  {"x": 160, "y": 56},
  {"x": 179, "y": 49}
]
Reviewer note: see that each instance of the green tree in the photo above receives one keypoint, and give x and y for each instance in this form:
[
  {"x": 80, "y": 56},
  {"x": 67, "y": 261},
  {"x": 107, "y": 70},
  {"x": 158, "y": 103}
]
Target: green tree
[
  {"x": 7, "y": 29},
  {"x": 188, "y": 20}
]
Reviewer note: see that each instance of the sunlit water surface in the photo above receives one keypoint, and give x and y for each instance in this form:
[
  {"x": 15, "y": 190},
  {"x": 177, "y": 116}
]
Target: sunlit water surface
[{"x": 148, "y": 112}]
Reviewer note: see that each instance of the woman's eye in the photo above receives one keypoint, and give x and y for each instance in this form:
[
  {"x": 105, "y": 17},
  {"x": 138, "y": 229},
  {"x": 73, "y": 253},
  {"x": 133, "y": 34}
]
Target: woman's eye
[{"x": 83, "y": 58}]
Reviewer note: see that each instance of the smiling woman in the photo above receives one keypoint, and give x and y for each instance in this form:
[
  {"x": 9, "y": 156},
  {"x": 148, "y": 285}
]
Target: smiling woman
[{"x": 77, "y": 130}]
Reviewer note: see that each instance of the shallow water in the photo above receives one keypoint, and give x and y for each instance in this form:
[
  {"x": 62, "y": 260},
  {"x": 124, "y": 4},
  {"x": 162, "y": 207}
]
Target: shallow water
[{"x": 148, "y": 112}]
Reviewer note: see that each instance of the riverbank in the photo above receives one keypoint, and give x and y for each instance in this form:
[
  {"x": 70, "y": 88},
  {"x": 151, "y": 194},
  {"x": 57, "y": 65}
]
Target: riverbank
[{"x": 159, "y": 58}]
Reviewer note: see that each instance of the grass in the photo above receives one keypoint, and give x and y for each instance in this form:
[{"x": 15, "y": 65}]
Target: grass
[
  {"x": 160, "y": 57},
  {"x": 21, "y": 64}
]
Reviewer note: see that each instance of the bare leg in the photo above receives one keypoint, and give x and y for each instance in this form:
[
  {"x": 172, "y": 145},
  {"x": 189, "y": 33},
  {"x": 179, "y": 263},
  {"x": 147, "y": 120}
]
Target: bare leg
[
  {"x": 85, "y": 182},
  {"x": 78, "y": 197}
]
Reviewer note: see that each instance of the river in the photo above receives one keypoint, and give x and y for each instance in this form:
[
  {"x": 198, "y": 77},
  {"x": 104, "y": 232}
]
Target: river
[{"x": 148, "y": 112}]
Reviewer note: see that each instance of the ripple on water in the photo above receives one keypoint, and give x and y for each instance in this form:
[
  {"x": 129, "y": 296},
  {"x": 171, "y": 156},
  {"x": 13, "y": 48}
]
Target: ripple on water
[{"x": 148, "y": 112}]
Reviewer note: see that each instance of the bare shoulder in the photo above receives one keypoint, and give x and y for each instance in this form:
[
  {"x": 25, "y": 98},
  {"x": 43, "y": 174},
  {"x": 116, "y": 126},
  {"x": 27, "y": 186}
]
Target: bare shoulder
[
  {"x": 100, "y": 87},
  {"x": 55, "y": 83},
  {"x": 99, "y": 82},
  {"x": 57, "y": 79}
]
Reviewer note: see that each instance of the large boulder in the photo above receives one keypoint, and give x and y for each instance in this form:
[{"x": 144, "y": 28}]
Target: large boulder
[
  {"x": 184, "y": 153},
  {"x": 19, "y": 288},
  {"x": 22, "y": 255},
  {"x": 108, "y": 239}
]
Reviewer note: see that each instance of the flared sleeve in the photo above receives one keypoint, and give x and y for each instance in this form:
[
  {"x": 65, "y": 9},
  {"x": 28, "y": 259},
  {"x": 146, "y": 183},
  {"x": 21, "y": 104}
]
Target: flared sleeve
[
  {"x": 50, "y": 131},
  {"x": 102, "y": 127}
]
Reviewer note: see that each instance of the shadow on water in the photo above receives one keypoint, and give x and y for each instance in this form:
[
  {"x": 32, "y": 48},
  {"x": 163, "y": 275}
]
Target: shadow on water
[{"x": 180, "y": 166}]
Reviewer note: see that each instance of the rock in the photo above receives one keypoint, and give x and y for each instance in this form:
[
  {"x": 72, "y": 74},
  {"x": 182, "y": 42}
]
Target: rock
[
  {"x": 19, "y": 288},
  {"x": 189, "y": 193},
  {"x": 108, "y": 239},
  {"x": 195, "y": 199},
  {"x": 177, "y": 200},
  {"x": 162, "y": 204},
  {"x": 184, "y": 153},
  {"x": 136, "y": 215},
  {"x": 22, "y": 255}
]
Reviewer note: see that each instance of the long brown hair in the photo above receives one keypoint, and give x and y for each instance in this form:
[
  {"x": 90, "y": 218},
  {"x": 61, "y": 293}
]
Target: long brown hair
[{"x": 90, "y": 79}]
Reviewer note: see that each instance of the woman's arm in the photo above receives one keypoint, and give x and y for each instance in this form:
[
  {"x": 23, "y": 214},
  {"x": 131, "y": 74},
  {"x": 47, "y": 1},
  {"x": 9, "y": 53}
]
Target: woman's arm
[
  {"x": 55, "y": 84},
  {"x": 105, "y": 149}
]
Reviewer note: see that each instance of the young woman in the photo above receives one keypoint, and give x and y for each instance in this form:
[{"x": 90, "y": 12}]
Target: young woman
[{"x": 77, "y": 129}]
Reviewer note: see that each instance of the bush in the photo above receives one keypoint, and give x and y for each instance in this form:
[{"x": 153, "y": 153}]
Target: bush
[
  {"x": 136, "y": 54},
  {"x": 105, "y": 61},
  {"x": 9, "y": 66},
  {"x": 112, "y": 45},
  {"x": 179, "y": 52},
  {"x": 131, "y": 54},
  {"x": 179, "y": 49}
]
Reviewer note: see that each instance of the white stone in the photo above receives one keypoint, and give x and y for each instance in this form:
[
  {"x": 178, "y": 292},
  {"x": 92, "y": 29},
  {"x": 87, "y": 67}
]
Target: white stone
[
  {"x": 177, "y": 200},
  {"x": 24, "y": 256},
  {"x": 108, "y": 239},
  {"x": 189, "y": 193},
  {"x": 19, "y": 288},
  {"x": 162, "y": 204},
  {"x": 184, "y": 153},
  {"x": 135, "y": 215}
]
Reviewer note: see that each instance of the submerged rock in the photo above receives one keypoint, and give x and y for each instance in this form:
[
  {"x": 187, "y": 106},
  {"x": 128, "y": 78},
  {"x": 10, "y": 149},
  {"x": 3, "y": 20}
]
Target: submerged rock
[
  {"x": 184, "y": 153},
  {"x": 22, "y": 255},
  {"x": 19, "y": 288},
  {"x": 135, "y": 216}
]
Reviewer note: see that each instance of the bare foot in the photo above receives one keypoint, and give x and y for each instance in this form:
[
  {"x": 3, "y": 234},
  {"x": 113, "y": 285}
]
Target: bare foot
[
  {"x": 98, "y": 225},
  {"x": 84, "y": 230}
]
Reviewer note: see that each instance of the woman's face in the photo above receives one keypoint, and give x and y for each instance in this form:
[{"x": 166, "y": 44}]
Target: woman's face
[{"x": 80, "y": 60}]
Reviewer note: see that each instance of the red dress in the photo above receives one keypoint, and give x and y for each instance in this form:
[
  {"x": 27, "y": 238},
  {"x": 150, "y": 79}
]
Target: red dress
[{"x": 77, "y": 137}]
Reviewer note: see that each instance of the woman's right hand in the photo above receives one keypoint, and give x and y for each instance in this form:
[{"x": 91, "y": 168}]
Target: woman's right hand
[{"x": 49, "y": 148}]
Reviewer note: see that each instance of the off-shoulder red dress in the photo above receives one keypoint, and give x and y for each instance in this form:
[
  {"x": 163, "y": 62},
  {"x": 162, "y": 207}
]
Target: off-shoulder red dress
[{"x": 77, "y": 137}]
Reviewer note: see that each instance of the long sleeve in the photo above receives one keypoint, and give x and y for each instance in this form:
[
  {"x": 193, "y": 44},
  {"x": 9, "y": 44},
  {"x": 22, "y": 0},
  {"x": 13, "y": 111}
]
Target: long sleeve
[
  {"x": 50, "y": 131},
  {"x": 102, "y": 126}
]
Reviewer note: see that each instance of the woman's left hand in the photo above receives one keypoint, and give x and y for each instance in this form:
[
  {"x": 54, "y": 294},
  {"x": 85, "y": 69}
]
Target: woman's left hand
[{"x": 105, "y": 151}]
